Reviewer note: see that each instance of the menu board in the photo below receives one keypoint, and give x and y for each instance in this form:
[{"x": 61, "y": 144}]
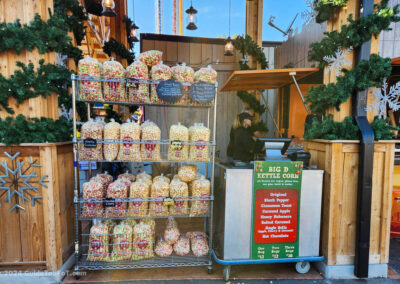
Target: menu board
[{"x": 276, "y": 192}]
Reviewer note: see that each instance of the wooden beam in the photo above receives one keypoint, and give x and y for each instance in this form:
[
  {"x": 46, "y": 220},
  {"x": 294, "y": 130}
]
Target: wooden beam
[{"x": 254, "y": 13}]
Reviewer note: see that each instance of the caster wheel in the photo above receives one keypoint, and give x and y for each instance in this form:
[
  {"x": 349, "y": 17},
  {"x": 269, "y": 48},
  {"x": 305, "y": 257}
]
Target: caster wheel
[
  {"x": 227, "y": 271},
  {"x": 77, "y": 277},
  {"x": 209, "y": 270},
  {"x": 303, "y": 267}
]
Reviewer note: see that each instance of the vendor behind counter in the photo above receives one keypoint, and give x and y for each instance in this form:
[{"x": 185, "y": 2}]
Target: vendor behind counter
[{"x": 243, "y": 144}]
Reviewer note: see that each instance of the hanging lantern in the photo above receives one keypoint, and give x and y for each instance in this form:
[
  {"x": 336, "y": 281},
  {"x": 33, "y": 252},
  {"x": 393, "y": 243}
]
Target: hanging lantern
[
  {"x": 133, "y": 35},
  {"x": 108, "y": 8},
  {"x": 191, "y": 19},
  {"x": 228, "y": 47}
]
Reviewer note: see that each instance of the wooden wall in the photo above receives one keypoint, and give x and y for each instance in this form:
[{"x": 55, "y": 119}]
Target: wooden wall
[
  {"x": 389, "y": 43},
  {"x": 41, "y": 236},
  {"x": 25, "y": 10},
  {"x": 197, "y": 53},
  {"x": 295, "y": 49}
]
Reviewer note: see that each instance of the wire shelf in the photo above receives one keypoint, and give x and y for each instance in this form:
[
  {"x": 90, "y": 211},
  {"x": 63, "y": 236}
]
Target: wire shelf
[
  {"x": 140, "y": 208},
  {"x": 128, "y": 91},
  {"x": 171, "y": 261},
  {"x": 131, "y": 150}
]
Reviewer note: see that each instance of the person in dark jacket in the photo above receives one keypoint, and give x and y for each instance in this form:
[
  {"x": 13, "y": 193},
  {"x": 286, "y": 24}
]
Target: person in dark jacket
[
  {"x": 235, "y": 126},
  {"x": 245, "y": 143}
]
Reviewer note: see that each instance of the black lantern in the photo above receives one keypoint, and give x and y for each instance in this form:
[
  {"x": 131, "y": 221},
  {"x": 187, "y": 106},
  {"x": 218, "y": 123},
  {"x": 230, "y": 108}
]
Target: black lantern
[
  {"x": 191, "y": 19},
  {"x": 228, "y": 47},
  {"x": 108, "y": 8}
]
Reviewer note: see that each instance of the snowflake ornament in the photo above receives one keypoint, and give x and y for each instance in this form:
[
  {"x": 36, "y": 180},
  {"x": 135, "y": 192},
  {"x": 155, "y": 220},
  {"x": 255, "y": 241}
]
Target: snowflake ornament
[
  {"x": 381, "y": 99},
  {"x": 309, "y": 15},
  {"x": 17, "y": 184},
  {"x": 338, "y": 61},
  {"x": 68, "y": 114}
]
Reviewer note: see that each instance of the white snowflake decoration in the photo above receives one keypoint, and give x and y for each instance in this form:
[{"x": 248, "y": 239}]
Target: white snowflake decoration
[
  {"x": 338, "y": 61},
  {"x": 381, "y": 99},
  {"x": 309, "y": 15},
  {"x": 16, "y": 182},
  {"x": 66, "y": 113}
]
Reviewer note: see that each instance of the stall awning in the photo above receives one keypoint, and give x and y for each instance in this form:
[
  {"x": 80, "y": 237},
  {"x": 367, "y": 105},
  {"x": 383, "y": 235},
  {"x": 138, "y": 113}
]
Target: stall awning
[{"x": 265, "y": 79}]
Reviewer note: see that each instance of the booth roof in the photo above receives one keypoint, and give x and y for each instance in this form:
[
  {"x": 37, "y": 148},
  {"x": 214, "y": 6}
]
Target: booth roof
[{"x": 265, "y": 79}]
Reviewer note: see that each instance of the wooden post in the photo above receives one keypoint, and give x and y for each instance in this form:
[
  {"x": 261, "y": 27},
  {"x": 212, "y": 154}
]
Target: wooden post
[
  {"x": 254, "y": 13},
  {"x": 352, "y": 7}
]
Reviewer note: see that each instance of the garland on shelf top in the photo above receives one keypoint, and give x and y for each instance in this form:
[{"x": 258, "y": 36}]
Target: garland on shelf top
[
  {"x": 115, "y": 46},
  {"x": 326, "y": 8},
  {"x": 34, "y": 130},
  {"x": 75, "y": 18},
  {"x": 246, "y": 45},
  {"x": 347, "y": 130},
  {"x": 27, "y": 83},
  {"x": 45, "y": 36},
  {"x": 365, "y": 75},
  {"x": 355, "y": 33}
]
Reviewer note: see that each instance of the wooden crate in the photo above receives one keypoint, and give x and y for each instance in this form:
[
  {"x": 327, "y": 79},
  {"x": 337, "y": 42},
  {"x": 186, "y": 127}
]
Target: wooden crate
[
  {"x": 41, "y": 236},
  {"x": 339, "y": 160}
]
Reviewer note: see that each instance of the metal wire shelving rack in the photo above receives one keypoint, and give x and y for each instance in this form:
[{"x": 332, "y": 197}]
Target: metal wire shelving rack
[{"x": 81, "y": 239}]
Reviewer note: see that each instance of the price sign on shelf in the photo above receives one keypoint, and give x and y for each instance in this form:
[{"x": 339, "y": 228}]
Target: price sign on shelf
[
  {"x": 170, "y": 91},
  {"x": 89, "y": 143},
  {"x": 202, "y": 92},
  {"x": 277, "y": 190}
]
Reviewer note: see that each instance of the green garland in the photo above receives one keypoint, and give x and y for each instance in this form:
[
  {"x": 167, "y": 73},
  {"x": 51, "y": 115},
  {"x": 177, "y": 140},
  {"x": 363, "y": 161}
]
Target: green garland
[
  {"x": 115, "y": 46},
  {"x": 76, "y": 20},
  {"x": 326, "y": 8},
  {"x": 365, "y": 75},
  {"x": 34, "y": 130},
  {"x": 27, "y": 83},
  {"x": 247, "y": 45},
  {"x": 251, "y": 101},
  {"x": 355, "y": 33},
  {"x": 346, "y": 130},
  {"x": 45, "y": 36}
]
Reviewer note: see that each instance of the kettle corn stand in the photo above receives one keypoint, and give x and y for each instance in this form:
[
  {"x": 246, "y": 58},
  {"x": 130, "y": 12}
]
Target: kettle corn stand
[{"x": 280, "y": 214}]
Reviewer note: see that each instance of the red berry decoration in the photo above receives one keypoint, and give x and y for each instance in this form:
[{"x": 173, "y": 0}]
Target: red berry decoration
[
  {"x": 301, "y": 166},
  {"x": 297, "y": 172},
  {"x": 256, "y": 170}
]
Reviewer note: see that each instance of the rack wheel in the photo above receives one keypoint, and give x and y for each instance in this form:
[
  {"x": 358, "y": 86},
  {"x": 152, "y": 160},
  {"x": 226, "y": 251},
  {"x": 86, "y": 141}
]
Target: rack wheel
[
  {"x": 227, "y": 271},
  {"x": 303, "y": 267},
  {"x": 77, "y": 276},
  {"x": 209, "y": 270}
]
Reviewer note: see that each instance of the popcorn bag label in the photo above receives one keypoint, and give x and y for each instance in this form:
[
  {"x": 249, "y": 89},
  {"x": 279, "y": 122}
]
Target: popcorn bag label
[
  {"x": 142, "y": 245},
  {"x": 137, "y": 202},
  {"x": 124, "y": 245},
  {"x": 95, "y": 245},
  {"x": 150, "y": 147},
  {"x": 204, "y": 203}
]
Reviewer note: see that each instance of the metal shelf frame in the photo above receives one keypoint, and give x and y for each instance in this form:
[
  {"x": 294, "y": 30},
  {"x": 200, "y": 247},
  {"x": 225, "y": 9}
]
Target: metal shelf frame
[{"x": 173, "y": 261}]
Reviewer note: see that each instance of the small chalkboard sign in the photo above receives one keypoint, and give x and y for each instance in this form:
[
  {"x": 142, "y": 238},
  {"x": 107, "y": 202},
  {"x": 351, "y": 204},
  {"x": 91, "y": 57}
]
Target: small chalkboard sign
[
  {"x": 90, "y": 143},
  {"x": 202, "y": 92},
  {"x": 132, "y": 83},
  {"x": 170, "y": 91},
  {"x": 109, "y": 202}
]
